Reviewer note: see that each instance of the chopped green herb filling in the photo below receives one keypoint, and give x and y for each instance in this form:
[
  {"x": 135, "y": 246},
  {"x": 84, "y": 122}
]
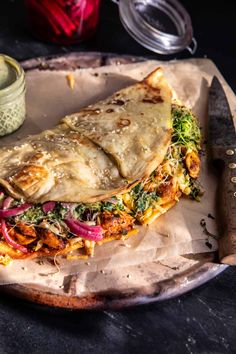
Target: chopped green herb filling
[{"x": 142, "y": 199}]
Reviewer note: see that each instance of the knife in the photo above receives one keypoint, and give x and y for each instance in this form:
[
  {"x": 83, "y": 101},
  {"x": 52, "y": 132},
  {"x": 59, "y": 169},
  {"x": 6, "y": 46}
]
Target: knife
[{"x": 222, "y": 146}]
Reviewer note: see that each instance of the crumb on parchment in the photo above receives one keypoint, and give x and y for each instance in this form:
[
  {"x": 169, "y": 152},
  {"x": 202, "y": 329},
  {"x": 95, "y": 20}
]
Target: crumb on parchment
[{"x": 70, "y": 81}]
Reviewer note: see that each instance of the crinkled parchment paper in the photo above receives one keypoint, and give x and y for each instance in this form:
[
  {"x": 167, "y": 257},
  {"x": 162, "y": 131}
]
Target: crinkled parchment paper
[{"x": 155, "y": 253}]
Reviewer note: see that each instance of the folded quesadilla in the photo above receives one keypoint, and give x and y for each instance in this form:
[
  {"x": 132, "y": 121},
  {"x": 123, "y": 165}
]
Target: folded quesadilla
[{"x": 122, "y": 161}]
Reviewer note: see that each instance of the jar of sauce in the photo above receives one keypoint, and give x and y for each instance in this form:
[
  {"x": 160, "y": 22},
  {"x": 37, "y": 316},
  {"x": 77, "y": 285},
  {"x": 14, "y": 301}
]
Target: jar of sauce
[
  {"x": 12, "y": 95},
  {"x": 62, "y": 21}
]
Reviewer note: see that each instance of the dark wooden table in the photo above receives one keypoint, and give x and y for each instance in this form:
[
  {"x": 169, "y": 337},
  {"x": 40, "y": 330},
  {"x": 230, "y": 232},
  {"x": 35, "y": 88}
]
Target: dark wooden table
[{"x": 202, "y": 321}]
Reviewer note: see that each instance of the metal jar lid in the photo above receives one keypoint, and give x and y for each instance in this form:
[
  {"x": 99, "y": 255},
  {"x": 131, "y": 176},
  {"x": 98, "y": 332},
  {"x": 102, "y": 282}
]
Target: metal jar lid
[{"x": 163, "y": 26}]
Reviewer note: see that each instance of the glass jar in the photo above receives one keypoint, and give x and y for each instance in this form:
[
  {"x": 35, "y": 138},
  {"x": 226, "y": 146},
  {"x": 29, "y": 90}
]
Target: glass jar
[
  {"x": 62, "y": 21},
  {"x": 12, "y": 95},
  {"x": 163, "y": 26}
]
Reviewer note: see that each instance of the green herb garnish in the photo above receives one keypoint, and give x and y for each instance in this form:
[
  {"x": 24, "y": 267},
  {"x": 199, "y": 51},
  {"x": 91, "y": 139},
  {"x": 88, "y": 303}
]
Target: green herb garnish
[{"x": 185, "y": 129}]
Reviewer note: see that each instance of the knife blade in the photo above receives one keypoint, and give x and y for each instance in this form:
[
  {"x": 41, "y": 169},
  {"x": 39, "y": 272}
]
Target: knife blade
[{"x": 222, "y": 146}]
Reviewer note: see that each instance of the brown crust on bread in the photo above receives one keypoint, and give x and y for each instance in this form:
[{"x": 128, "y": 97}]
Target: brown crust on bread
[{"x": 29, "y": 177}]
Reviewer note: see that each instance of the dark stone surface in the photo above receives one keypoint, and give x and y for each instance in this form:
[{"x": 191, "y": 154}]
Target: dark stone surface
[{"x": 202, "y": 321}]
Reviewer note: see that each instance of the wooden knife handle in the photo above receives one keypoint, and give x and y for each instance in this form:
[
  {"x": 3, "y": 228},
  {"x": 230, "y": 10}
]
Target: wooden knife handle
[{"x": 227, "y": 208}]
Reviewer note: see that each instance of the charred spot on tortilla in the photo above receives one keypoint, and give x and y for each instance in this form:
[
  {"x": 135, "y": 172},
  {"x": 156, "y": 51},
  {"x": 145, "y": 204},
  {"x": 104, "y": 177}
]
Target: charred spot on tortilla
[
  {"x": 93, "y": 111},
  {"x": 37, "y": 157},
  {"x": 155, "y": 99},
  {"x": 118, "y": 102},
  {"x": 123, "y": 122}
]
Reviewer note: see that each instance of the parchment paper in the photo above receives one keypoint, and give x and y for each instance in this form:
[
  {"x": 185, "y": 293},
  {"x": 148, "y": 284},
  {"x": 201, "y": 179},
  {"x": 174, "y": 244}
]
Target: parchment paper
[{"x": 155, "y": 253}]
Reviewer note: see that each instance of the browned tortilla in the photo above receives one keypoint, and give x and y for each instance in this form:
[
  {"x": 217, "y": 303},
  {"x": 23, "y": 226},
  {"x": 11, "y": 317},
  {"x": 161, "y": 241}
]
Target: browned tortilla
[{"x": 96, "y": 153}]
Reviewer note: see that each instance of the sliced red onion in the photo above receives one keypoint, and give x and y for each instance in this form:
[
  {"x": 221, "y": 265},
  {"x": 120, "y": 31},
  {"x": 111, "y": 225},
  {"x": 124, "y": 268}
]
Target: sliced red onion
[
  {"x": 7, "y": 202},
  {"x": 49, "y": 206},
  {"x": 93, "y": 228},
  {"x": 87, "y": 232},
  {"x": 14, "y": 211},
  {"x": 9, "y": 240}
]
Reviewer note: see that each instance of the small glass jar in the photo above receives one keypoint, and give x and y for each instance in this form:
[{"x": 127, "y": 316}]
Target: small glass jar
[
  {"x": 12, "y": 95},
  {"x": 62, "y": 21}
]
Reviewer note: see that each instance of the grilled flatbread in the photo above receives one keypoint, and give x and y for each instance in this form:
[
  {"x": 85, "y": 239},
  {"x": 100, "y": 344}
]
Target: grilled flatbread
[
  {"x": 59, "y": 165},
  {"x": 97, "y": 153},
  {"x": 133, "y": 126}
]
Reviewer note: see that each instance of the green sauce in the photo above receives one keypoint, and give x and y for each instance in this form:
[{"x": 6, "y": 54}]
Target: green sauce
[{"x": 8, "y": 74}]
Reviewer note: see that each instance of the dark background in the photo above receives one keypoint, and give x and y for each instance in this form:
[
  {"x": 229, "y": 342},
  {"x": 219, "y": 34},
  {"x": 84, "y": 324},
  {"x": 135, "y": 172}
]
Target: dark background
[
  {"x": 202, "y": 321},
  {"x": 213, "y": 21}
]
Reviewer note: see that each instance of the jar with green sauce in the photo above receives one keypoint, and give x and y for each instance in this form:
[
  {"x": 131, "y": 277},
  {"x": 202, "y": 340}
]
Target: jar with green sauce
[{"x": 12, "y": 95}]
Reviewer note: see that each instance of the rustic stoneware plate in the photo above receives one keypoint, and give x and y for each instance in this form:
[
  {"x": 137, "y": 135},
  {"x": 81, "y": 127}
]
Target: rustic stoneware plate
[{"x": 178, "y": 282}]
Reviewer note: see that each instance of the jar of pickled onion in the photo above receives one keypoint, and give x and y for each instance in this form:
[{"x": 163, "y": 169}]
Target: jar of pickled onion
[{"x": 62, "y": 21}]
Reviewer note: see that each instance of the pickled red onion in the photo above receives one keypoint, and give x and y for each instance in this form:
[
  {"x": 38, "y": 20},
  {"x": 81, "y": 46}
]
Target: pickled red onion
[
  {"x": 49, "y": 206},
  {"x": 6, "y": 213},
  {"x": 7, "y": 202},
  {"x": 93, "y": 228},
  {"x": 9, "y": 240},
  {"x": 93, "y": 233}
]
